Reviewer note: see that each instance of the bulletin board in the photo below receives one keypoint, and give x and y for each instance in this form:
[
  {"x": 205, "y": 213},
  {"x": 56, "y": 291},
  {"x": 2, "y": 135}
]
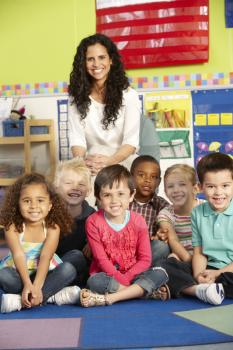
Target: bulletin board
[{"x": 212, "y": 122}]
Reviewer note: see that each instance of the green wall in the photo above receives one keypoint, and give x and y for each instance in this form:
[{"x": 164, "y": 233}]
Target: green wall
[{"x": 39, "y": 37}]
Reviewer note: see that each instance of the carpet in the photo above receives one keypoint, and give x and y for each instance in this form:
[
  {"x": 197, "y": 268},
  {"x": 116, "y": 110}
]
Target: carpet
[
  {"x": 126, "y": 325},
  {"x": 26, "y": 333},
  {"x": 220, "y": 318}
]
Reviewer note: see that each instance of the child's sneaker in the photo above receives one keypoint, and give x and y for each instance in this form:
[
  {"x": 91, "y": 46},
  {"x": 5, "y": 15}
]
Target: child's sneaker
[
  {"x": 210, "y": 293},
  {"x": 11, "y": 302},
  {"x": 67, "y": 295}
]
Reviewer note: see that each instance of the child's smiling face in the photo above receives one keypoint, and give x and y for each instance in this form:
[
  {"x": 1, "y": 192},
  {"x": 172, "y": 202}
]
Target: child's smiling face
[
  {"x": 34, "y": 202},
  {"x": 179, "y": 189},
  {"x": 114, "y": 201},
  {"x": 218, "y": 189},
  {"x": 73, "y": 187},
  {"x": 147, "y": 179}
]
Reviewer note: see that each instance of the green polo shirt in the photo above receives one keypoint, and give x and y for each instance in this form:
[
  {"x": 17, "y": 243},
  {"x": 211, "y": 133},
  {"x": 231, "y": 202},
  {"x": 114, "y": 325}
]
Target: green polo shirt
[{"x": 213, "y": 231}]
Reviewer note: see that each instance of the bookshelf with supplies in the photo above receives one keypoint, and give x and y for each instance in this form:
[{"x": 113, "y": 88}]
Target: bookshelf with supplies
[{"x": 23, "y": 135}]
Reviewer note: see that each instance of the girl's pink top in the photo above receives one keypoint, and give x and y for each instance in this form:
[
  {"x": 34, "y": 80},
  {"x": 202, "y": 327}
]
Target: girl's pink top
[{"x": 121, "y": 254}]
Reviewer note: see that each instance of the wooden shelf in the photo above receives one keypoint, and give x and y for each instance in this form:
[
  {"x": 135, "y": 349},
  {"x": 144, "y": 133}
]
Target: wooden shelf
[
  {"x": 27, "y": 140},
  {"x": 11, "y": 140},
  {"x": 7, "y": 181},
  {"x": 40, "y": 138}
]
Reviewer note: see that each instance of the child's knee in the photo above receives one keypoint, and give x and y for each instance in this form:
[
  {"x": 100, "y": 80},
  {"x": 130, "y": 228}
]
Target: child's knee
[
  {"x": 102, "y": 283},
  {"x": 152, "y": 279},
  {"x": 68, "y": 270}
]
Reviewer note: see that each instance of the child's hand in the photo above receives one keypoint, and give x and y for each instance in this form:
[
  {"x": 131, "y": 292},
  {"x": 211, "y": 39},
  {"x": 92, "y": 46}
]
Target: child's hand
[
  {"x": 202, "y": 279},
  {"x": 87, "y": 252},
  {"x": 153, "y": 237},
  {"x": 162, "y": 234},
  {"x": 206, "y": 277},
  {"x": 36, "y": 296},
  {"x": 211, "y": 275},
  {"x": 26, "y": 296}
]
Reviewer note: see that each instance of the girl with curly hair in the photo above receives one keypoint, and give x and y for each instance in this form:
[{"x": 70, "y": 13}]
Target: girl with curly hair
[
  {"x": 33, "y": 215},
  {"x": 104, "y": 112}
]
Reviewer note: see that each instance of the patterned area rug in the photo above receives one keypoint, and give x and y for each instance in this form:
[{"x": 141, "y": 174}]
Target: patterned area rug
[{"x": 137, "y": 324}]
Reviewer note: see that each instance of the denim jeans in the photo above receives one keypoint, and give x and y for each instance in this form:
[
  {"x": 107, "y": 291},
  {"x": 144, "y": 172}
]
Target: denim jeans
[
  {"x": 159, "y": 250},
  {"x": 77, "y": 259},
  {"x": 149, "y": 280},
  {"x": 63, "y": 275}
]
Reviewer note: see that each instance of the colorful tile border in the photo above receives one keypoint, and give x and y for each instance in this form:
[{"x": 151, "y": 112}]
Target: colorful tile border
[
  {"x": 195, "y": 80},
  {"x": 184, "y": 81},
  {"x": 33, "y": 89}
]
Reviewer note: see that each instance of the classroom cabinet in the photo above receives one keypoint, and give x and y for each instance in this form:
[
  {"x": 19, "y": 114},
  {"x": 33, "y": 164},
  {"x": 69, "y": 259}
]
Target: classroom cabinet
[{"x": 35, "y": 132}]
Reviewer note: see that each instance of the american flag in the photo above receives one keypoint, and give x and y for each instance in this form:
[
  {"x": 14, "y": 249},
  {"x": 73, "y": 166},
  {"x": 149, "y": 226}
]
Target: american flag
[{"x": 153, "y": 33}]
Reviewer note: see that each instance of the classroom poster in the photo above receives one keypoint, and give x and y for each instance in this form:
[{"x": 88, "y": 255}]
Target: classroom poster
[
  {"x": 171, "y": 113},
  {"x": 169, "y": 109},
  {"x": 212, "y": 122}
]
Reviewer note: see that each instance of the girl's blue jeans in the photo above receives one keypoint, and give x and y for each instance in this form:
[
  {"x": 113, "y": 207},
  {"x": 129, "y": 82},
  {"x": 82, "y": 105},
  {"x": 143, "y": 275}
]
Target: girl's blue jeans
[
  {"x": 150, "y": 280},
  {"x": 63, "y": 275}
]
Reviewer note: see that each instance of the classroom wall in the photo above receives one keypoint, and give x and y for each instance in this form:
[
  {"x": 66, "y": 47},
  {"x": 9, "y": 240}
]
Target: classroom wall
[
  {"x": 38, "y": 41},
  {"x": 39, "y": 38}
]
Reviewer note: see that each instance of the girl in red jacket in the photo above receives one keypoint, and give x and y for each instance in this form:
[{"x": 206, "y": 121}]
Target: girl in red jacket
[{"x": 120, "y": 245}]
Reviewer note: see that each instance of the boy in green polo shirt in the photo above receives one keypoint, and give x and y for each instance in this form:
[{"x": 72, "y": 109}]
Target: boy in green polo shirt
[{"x": 210, "y": 275}]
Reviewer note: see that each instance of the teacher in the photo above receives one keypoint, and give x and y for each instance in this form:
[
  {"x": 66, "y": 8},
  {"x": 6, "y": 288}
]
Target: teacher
[{"x": 104, "y": 111}]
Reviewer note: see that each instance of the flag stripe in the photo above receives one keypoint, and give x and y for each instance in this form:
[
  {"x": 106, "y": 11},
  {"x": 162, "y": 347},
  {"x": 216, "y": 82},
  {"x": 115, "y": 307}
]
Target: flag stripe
[
  {"x": 153, "y": 5},
  {"x": 139, "y": 42},
  {"x": 197, "y": 37},
  {"x": 157, "y": 21},
  {"x": 147, "y": 51},
  {"x": 120, "y": 3},
  {"x": 147, "y": 14},
  {"x": 158, "y": 31},
  {"x": 161, "y": 61}
]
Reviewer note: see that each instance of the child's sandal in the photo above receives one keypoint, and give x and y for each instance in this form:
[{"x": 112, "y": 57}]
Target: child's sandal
[
  {"x": 158, "y": 294},
  {"x": 88, "y": 298},
  {"x": 107, "y": 301}
]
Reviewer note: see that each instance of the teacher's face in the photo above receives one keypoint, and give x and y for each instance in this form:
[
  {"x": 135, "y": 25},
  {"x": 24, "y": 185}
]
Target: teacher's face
[{"x": 98, "y": 62}]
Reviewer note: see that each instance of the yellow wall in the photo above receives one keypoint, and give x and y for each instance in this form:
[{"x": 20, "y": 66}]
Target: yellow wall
[{"x": 39, "y": 37}]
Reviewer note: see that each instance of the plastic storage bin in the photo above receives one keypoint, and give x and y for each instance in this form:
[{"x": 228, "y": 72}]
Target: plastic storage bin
[
  {"x": 13, "y": 127},
  {"x": 16, "y": 128}
]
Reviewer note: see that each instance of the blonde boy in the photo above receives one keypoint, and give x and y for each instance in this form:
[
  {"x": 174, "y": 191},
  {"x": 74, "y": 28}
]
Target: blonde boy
[{"x": 73, "y": 183}]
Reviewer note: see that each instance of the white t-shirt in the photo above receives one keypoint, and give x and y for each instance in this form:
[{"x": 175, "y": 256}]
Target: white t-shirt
[{"x": 89, "y": 133}]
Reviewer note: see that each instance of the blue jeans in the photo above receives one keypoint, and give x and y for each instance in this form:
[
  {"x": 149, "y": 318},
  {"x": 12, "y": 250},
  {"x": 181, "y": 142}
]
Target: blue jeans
[
  {"x": 150, "y": 280},
  {"x": 159, "y": 250},
  {"x": 63, "y": 275},
  {"x": 77, "y": 259}
]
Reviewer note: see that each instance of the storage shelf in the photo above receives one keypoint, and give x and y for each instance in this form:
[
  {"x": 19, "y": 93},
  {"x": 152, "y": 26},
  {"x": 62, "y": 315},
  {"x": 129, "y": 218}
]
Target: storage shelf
[
  {"x": 27, "y": 140},
  {"x": 40, "y": 138},
  {"x": 12, "y": 140},
  {"x": 7, "y": 181}
]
